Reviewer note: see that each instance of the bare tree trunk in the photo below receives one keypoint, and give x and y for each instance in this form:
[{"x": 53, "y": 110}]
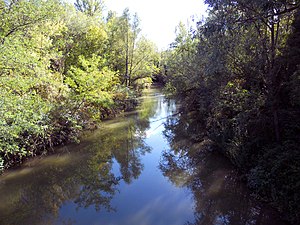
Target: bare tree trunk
[
  {"x": 127, "y": 60},
  {"x": 272, "y": 78}
]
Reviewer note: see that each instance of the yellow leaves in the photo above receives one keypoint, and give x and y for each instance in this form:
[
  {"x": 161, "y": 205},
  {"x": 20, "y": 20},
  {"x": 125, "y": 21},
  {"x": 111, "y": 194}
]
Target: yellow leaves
[
  {"x": 96, "y": 34},
  {"x": 91, "y": 83},
  {"x": 230, "y": 84},
  {"x": 56, "y": 27},
  {"x": 236, "y": 83},
  {"x": 42, "y": 34}
]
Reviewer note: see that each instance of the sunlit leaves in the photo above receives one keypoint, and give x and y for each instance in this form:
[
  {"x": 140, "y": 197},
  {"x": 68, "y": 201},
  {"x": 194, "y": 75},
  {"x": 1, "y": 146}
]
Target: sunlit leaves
[
  {"x": 60, "y": 70},
  {"x": 90, "y": 7},
  {"x": 90, "y": 83},
  {"x": 181, "y": 62},
  {"x": 144, "y": 62},
  {"x": 21, "y": 116}
]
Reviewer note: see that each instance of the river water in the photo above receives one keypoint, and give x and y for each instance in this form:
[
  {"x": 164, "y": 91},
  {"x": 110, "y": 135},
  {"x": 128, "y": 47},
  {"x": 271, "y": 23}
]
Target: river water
[{"x": 138, "y": 169}]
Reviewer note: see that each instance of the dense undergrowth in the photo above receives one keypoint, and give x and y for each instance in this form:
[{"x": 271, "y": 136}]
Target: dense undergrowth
[
  {"x": 64, "y": 68},
  {"x": 238, "y": 72}
]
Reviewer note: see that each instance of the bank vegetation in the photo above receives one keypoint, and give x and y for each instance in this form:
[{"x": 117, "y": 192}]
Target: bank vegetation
[{"x": 238, "y": 74}]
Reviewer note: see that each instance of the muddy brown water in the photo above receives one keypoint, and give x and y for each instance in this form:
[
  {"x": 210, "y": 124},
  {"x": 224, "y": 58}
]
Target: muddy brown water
[{"x": 131, "y": 171}]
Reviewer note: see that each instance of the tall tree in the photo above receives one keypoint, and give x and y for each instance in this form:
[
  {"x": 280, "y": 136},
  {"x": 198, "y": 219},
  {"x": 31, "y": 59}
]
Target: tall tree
[
  {"x": 270, "y": 22},
  {"x": 123, "y": 36},
  {"x": 244, "y": 82},
  {"x": 90, "y": 7}
]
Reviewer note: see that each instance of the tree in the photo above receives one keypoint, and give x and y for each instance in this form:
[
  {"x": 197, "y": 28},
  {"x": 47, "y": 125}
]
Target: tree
[
  {"x": 129, "y": 33},
  {"x": 181, "y": 61},
  {"x": 90, "y": 7},
  {"x": 30, "y": 89},
  {"x": 92, "y": 87},
  {"x": 271, "y": 22},
  {"x": 143, "y": 64},
  {"x": 62, "y": 68},
  {"x": 241, "y": 79},
  {"x": 128, "y": 53}
]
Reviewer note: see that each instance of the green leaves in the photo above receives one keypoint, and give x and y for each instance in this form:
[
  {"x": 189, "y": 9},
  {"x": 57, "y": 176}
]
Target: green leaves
[
  {"x": 22, "y": 118},
  {"x": 91, "y": 83},
  {"x": 239, "y": 73},
  {"x": 90, "y": 7},
  {"x": 62, "y": 69},
  {"x": 181, "y": 62}
]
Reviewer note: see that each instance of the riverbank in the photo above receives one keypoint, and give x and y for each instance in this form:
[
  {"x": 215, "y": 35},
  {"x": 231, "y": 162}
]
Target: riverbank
[
  {"x": 144, "y": 157},
  {"x": 63, "y": 69},
  {"x": 191, "y": 127},
  {"x": 64, "y": 125},
  {"x": 238, "y": 75}
]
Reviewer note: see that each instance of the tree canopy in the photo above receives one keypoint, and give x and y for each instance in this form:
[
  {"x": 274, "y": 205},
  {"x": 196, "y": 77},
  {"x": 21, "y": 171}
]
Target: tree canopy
[
  {"x": 64, "y": 68},
  {"x": 239, "y": 71}
]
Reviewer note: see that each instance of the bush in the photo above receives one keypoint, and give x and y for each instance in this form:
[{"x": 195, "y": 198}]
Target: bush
[{"x": 277, "y": 178}]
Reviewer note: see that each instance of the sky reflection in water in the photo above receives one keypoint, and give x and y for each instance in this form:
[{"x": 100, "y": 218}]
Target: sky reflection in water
[{"x": 127, "y": 173}]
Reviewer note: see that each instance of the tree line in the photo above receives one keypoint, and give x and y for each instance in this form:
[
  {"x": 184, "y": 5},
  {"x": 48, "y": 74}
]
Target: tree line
[
  {"x": 65, "y": 67},
  {"x": 238, "y": 75},
  {"x": 89, "y": 180}
]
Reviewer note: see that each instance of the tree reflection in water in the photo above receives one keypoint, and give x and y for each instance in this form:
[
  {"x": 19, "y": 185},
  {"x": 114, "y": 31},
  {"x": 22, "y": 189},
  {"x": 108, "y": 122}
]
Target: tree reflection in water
[
  {"x": 219, "y": 196},
  {"x": 34, "y": 193}
]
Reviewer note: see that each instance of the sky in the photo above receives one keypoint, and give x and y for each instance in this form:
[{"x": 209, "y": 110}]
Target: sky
[{"x": 159, "y": 18}]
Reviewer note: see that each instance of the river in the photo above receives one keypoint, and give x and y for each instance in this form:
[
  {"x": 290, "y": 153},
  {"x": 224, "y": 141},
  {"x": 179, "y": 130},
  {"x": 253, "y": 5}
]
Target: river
[{"x": 138, "y": 169}]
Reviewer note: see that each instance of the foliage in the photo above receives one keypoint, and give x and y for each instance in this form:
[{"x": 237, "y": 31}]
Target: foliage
[
  {"x": 90, "y": 7},
  {"x": 134, "y": 57},
  {"x": 58, "y": 73},
  {"x": 219, "y": 195},
  {"x": 239, "y": 72},
  {"x": 91, "y": 86},
  {"x": 144, "y": 63},
  {"x": 276, "y": 178},
  {"x": 91, "y": 179},
  {"x": 182, "y": 62}
]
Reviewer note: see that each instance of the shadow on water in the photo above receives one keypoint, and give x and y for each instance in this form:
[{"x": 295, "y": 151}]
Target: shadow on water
[
  {"x": 220, "y": 197},
  {"x": 83, "y": 174},
  {"x": 114, "y": 177}
]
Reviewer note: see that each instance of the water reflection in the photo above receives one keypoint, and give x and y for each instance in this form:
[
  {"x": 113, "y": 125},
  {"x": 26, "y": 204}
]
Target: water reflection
[
  {"x": 110, "y": 178},
  {"x": 81, "y": 173},
  {"x": 220, "y": 198}
]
